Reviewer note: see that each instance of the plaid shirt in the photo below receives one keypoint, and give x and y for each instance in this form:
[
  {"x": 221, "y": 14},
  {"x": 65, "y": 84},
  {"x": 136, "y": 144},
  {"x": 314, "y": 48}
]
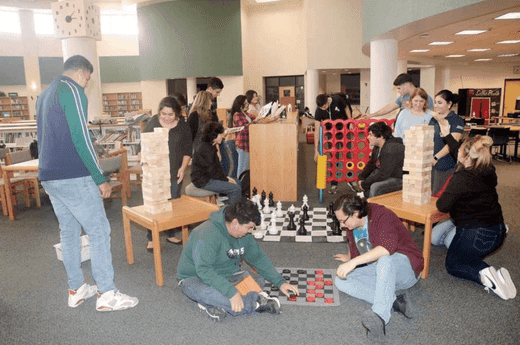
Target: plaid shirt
[{"x": 242, "y": 138}]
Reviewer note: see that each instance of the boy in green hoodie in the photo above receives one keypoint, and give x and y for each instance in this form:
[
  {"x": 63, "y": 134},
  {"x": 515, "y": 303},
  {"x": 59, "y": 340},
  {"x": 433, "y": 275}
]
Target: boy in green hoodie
[{"x": 209, "y": 267}]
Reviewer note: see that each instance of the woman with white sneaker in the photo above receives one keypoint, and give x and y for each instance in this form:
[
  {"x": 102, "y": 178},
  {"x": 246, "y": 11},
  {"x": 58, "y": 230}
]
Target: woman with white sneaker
[{"x": 472, "y": 201}]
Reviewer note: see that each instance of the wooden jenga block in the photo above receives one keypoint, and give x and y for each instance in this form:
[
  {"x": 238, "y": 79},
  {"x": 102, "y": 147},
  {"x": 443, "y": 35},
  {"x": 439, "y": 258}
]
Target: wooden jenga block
[
  {"x": 158, "y": 208},
  {"x": 247, "y": 285}
]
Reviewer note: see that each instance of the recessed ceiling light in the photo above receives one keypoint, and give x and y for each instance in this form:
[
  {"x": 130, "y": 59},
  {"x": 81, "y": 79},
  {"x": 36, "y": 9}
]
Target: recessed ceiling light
[
  {"x": 424, "y": 35},
  {"x": 419, "y": 50},
  {"x": 509, "y": 42},
  {"x": 507, "y": 55},
  {"x": 441, "y": 43},
  {"x": 510, "y": 15},
  {"x": 482, "y": 60},
  {"x": 470, "y": 32},
  {"x": 454, "y": 56},
  {"x": 266, "y": 0},
  {"x": 479, "y": 50}
]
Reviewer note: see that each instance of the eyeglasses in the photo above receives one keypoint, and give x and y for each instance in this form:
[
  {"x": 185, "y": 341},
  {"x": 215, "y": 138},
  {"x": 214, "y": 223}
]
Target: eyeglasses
[{"x": 344, "y": 220}]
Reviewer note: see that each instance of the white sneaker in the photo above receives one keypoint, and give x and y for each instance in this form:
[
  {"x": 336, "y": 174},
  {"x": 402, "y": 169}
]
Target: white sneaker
[
  {"x": 492, "y": 281},
  {"x": 115, "y": 300},
  {"x": 83, "y": 293},
  {"x": 504, "y": 276}
]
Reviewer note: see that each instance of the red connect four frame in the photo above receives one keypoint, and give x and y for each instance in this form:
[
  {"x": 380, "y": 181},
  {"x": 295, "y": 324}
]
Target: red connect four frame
[{"x": 345, "y": 143}]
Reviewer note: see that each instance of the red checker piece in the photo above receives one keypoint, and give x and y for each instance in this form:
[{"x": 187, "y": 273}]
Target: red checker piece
[
  {"x": 319, "y": 287},
  {"x": 312, "y": 291},
  {"x": 328, "y": 282},
  {"x": 319, "y": 279},
  {"x": 329, "y": 300},
  {"x": 319, "y": 294},
  {"x": 292, "y": 299},
  {"x": 319, "y": 272},
  {"x": 311, "y": 299},
  {"x": 310, "y": 282}
]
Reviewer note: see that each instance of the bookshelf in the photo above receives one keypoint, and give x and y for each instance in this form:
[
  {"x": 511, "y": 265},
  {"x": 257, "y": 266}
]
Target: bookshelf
[
  {"x": 17, "y": 135},
  {"x": 114, "y": 136},
  {"x": 117, "y": 104},
  {"x": 14, "y": 107}
]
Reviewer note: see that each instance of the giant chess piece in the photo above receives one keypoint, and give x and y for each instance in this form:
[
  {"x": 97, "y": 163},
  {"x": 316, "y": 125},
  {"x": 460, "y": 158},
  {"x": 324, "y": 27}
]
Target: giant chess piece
[
  {"x": 255, "y": 191},
  {"x": 302, "y": 231},
  {"x": 271, "y": 199},
  {"x": 336, "y": 227},
  {"x": 292, "y": 225},
  {"x": 263, "y": 197},
  {"x": 305, "y": 215},
  {"x": 330, "y": 214},
  {"x": 267, "y": 210}
]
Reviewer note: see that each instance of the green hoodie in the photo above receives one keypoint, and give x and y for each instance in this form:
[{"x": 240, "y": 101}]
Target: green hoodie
[{"x": 213, "y": 255}]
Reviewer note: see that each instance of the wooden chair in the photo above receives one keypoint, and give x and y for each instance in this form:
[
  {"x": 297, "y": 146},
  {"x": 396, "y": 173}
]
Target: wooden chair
[
  {"x": 31, "y": 184},
  {"x": 119, "y": 181},
  {"x": 202, "y": 194}
]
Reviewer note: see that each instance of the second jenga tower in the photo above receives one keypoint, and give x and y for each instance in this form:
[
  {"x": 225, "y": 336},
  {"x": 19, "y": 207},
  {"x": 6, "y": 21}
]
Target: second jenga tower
[
  {"x": 418, "y": 161},
  {"x": 155, "y": 159}
]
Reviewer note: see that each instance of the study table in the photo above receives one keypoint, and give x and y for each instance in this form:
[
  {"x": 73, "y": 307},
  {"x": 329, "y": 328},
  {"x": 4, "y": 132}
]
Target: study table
[
  {"x": 185, "y": 211},
  {"x": 426, "y": 214},
  {"x": 31, "y": 165},
  {"x": 514, "y": 129}
]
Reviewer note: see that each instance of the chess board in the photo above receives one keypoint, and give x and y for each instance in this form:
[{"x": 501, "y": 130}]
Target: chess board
[
  {"x": 316, "y": 287},
  {"x": 318, "y": 228}
]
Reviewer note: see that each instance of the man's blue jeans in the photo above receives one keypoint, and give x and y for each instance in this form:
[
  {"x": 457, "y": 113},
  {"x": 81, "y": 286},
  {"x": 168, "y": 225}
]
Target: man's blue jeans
[
  {"x": 201, "y": 293},
  {"x": 377, "y": 283},
  {"x": 232, "y": 190},
  {"x": 243, "y": 161},
  {"x": 78, "y": 204},
  {"x": 389, "y": 185}
]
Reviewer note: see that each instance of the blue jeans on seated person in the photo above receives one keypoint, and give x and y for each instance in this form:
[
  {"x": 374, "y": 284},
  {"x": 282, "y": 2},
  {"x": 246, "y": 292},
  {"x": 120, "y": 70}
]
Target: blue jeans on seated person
[
  {"x": 77, "y": 204},
  {"x": 470, "y": 244},
  {"x": 243, "y": 161},
  {"x": 390, "y": 185},
  {"x": 443, "y": 233},
  {"x": 376, "y": 283},
  {"x": 201, "y": 293},
  {"x": 232, "y": 190}
]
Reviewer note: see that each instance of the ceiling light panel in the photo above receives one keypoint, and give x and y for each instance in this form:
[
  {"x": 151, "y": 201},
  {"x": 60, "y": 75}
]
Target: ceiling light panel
[
  {"x": 510, "y": 15},
  {"x": 441, "y": 43},
  {"x": 470, "y": 32}
]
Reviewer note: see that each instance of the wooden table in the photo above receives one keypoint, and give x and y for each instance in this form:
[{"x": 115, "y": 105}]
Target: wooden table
[
  {"x": 31, "y": 165},
  {"x": 426, "y": 214},
  {"x": 186, "y": 210}
]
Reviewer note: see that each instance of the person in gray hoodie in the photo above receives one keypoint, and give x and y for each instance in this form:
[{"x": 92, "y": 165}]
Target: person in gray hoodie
[
  {"x": 384, "y": 172},
  {"x": 209, "y": 267}
]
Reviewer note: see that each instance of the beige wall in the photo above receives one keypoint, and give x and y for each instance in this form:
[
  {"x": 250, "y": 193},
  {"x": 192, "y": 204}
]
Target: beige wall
[{"x": 334, "y": 34}]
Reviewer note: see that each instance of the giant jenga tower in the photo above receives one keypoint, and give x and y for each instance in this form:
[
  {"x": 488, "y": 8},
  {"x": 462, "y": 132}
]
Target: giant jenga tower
[
  {"x": 418, "y": 161},
  {"x": 156, "y": 171}
]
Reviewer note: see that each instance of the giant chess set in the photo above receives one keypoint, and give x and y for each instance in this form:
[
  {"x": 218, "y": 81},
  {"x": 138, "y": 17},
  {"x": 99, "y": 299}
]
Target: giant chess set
[{"x": 296, "y": 224}]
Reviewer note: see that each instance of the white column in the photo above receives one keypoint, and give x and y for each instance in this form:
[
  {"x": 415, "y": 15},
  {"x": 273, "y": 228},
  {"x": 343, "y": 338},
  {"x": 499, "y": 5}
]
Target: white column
[
  {"x": 312, "y": 84},
  {"x": 30, "y": 60},
  {"x": 191, "y": 89},
  {"x": 86, "y": 47},
  {"x": 428, "y": 80},
  {"x": 383, "y": 70}
]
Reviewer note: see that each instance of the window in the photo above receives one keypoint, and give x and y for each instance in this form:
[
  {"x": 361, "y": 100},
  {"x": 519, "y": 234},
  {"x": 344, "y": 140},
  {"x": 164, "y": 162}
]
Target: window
[
  {"x": 119, "y": 22},
  {"x": 10, "y": 21},
  {"x": 43, "y": 22},
  {"x": 273, "y": 84}
]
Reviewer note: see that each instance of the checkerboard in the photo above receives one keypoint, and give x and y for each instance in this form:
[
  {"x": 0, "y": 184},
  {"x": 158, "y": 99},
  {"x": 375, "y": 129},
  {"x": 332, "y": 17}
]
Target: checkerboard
[
  {"x": 318, "y": 228},
  {"x": 316, "y": 287}
]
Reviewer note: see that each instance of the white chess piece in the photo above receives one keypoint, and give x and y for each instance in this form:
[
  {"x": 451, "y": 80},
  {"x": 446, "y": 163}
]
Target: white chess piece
[
  {"x": 266, "y": 206},
  {"x": 279, "y": 212},
  {"x": 273, "y": 230},
  {"x": 292, "y": 209},
  {"x": 305, "y": 201},
  {"x": 263, "y": 226}
]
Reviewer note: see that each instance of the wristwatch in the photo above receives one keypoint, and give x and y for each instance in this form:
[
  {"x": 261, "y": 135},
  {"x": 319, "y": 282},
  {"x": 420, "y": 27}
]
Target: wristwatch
[{"x": 435, "y": 157}]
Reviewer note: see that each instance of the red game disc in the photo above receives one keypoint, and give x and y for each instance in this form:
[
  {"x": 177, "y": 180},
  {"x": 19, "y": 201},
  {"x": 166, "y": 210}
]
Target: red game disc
[
  {"x": 311, "y": 299},
  {"x": 319, "y": 272},
  {"x": 319, "y": 294},
  {"x": 311, "y": 291},
  {"x": 310, "y": 282},
  {"x": 319, "y": 287},
  {"x": 319, "y": 279},
  {"x": 292, "y": 299},
  {"x": 329, "y": 300},
  {"x": 328, "y": 282}
]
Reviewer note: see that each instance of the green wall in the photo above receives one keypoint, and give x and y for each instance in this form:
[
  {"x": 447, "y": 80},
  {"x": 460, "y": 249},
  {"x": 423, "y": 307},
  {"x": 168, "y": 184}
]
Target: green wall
[
  {"x": 12, "y": 71},
  {"x": 119, "y": 69},
  {"x": 50, "y": 68},
  {"x": 190, "y": 38},
  {"x": 380, "y": 16}
]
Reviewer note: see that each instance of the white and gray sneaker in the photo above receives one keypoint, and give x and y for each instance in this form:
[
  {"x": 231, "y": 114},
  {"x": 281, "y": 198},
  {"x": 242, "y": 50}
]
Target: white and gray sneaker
[
  {"x": 498, "y": 281},
  {"x": 267, "y": 304},
  {"x": 115, "y": 300},
  {"x": 80, "y": 295},
  {"x": 214, "y": 313}
]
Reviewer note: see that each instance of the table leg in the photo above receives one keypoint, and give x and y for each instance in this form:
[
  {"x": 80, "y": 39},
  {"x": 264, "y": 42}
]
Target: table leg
[
  {"x": 157, "y": 257},
  {"x": 128, "y": 238},
  {"x": 8, "y": 195},
  {"x": 185, "y": 234},
  {"x": 427, "y": 245}
]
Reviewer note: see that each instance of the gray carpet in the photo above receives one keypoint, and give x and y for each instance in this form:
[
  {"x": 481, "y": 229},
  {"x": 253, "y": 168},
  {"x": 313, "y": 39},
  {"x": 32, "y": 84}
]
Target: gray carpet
[{"x": 33, "y": 290}]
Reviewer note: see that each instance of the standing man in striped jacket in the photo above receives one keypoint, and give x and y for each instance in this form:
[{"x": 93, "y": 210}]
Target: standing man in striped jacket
[{"x": 71, "y": 175}]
